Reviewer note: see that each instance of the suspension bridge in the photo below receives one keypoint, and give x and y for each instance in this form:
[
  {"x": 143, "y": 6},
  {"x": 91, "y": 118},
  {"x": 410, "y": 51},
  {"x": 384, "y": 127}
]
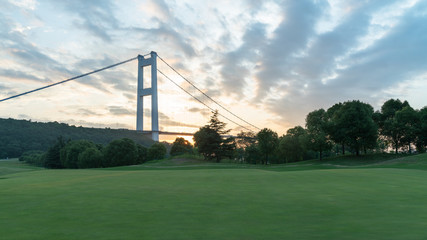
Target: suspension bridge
[{"x": 150, "y": 61}]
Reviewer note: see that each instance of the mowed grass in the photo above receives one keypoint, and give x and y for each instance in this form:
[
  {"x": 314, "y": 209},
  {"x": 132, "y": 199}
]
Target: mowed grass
[
  {"x": 8, "y": 166},
  {"x": 345, "y": 203}
]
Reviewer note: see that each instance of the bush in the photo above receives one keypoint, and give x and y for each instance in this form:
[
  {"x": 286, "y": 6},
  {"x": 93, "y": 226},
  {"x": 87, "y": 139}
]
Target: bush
[
  {"x": 70, "y": 153},
  {"x": 36, "y": 158},
  {"x": 142, "y": 154},
  {"x": 90, "y": 158},
  {"x": 156, "y": 151},
  {"x": 120, "y": 152}
]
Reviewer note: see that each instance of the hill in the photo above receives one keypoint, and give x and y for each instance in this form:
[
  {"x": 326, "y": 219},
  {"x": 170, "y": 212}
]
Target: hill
[{"x": 19, "y": 136}]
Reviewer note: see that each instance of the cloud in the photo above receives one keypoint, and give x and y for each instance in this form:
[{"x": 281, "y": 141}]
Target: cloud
[
  {"x": 234, "y": 68},
  {"x": 20, "y": 75},
  {"x": 19, "y": 49},
  {"x": 3, "y": 87},
  {"x": 116, "y": 78},
  {"x": 95, "y": 16},
  {"x": 121, "y": 111},
  {"x": 202, "y": 111},
  {"x": 160, "y": 8},
  {"x": 87, "y": 112},
  {"x": 396, "y": 57},
  {"x": 290, "y": 38},
  {"x": 353, "y": 72},
  {"x": 168, "y": 36}
]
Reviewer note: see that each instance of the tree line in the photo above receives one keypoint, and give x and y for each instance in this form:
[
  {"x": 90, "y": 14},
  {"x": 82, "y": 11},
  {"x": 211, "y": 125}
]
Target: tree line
[
  {"x": 349, "y": 127},
  {"x": 86, "y": 154},
  {"x": 352, "y": 126}
]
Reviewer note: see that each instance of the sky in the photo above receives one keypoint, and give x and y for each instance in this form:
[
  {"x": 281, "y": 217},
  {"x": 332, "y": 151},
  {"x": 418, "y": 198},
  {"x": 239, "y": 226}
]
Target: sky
[{"x": 268, "y": 62}]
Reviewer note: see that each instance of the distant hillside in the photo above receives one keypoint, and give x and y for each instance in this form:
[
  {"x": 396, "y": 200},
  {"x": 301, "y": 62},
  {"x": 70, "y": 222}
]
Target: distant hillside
[{"x": 19, "y": 136}]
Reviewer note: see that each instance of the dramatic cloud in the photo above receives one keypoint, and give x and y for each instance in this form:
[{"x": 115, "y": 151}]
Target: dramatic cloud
[
  {"x": 235, "y": 67},
  {"x": 95, "y": 16},
  {"x": 271, "y": 62}
]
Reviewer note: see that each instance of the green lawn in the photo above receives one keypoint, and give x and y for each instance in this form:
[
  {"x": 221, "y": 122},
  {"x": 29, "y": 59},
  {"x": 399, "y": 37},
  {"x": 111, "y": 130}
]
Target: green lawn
[
  {"x": 14, "y": 166},
  {"x": 381, "y": 201}
]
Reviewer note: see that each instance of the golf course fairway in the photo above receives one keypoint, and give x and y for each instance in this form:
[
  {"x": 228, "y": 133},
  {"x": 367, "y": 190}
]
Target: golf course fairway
[{"x": 364, "y": 203}]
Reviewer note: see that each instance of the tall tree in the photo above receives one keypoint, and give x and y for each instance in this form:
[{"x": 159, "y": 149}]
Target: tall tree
[
  {"x": 209, "y": 141},
  {"x": 409, "y": 122},
  {"x": 293, "y": 145},
  {"x": 422, "y": 133},
  {"x": 52, "y": 159},
  {"x": 333, "y": 127},
  {"x": 318, "y": 139},
  {"x": 357, "y": 125},
  {"x": 267, "y": 143},
  {"x": 389, "y": 126}
]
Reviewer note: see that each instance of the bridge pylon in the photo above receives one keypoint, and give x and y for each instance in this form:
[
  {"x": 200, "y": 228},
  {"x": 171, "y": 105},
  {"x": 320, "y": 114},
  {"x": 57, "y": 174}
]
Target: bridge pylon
[{"x": 152, "y": 91}]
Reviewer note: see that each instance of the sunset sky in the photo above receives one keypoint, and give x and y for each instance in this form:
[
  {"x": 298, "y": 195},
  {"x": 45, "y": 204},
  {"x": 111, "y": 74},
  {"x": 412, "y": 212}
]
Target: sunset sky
[{"x": 269, "y": 62}]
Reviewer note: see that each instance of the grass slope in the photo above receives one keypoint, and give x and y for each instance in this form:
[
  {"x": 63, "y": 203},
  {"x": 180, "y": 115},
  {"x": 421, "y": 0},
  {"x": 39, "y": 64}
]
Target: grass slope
[
  {"x": 349, "y": 203},
  {"x": 9, "y": 166}
]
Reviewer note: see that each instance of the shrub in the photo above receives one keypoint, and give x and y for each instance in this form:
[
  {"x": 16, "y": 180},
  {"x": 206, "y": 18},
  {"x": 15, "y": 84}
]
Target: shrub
[
  {"x": 120, "y": 152},
  {"x": 90, "y": 158},
  {"x": 36, "y": 158},
  {"x": 70, "y": 153},
  {"x": 142, "y": 154},
  {"x": 156, "y": 151}
]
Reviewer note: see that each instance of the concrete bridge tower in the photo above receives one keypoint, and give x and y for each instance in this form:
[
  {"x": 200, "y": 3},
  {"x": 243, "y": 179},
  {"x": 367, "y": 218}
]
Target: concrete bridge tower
[{"x": 144, "y": 62}]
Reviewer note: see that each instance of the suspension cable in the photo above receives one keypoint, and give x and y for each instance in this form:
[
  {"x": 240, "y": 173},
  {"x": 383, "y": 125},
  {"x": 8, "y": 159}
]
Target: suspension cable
[
  {"x": 206, "y": 94},
  {"x": 200, "y": 101},
  {"x": 70, "y": 79}
]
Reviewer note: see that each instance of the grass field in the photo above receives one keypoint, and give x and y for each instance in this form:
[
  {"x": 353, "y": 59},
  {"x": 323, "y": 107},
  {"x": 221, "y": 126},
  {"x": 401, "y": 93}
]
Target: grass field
[{"x": 383, "y": 199}]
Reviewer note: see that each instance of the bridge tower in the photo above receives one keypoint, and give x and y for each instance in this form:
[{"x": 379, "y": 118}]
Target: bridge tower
[{"x": 144, "y": 62}]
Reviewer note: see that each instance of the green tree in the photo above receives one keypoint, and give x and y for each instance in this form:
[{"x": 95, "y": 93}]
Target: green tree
[
  {"x": 292, "y": 146},
  {"x": 357, "y": 125},
  {"x": 120, "y": 152},
  {"x": 267, "y": 143},
  {"x": 245, "y": 139},
  {"x": 318, "y": 139},
  {"x": 409, "y": 123},
  {"x": 421, "y": 142},
  {"x": 390, "y": 128},
  {"x": 156, "y": 151},
  {"x": 210, "y": 143},
  {"x": 53, "y": 156},
  {"x": 227, "y": 148},
  {"x": 252, "y": 154},
  {"x": 180, "y": 146},
  {"x": 333, "y": 126}
]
